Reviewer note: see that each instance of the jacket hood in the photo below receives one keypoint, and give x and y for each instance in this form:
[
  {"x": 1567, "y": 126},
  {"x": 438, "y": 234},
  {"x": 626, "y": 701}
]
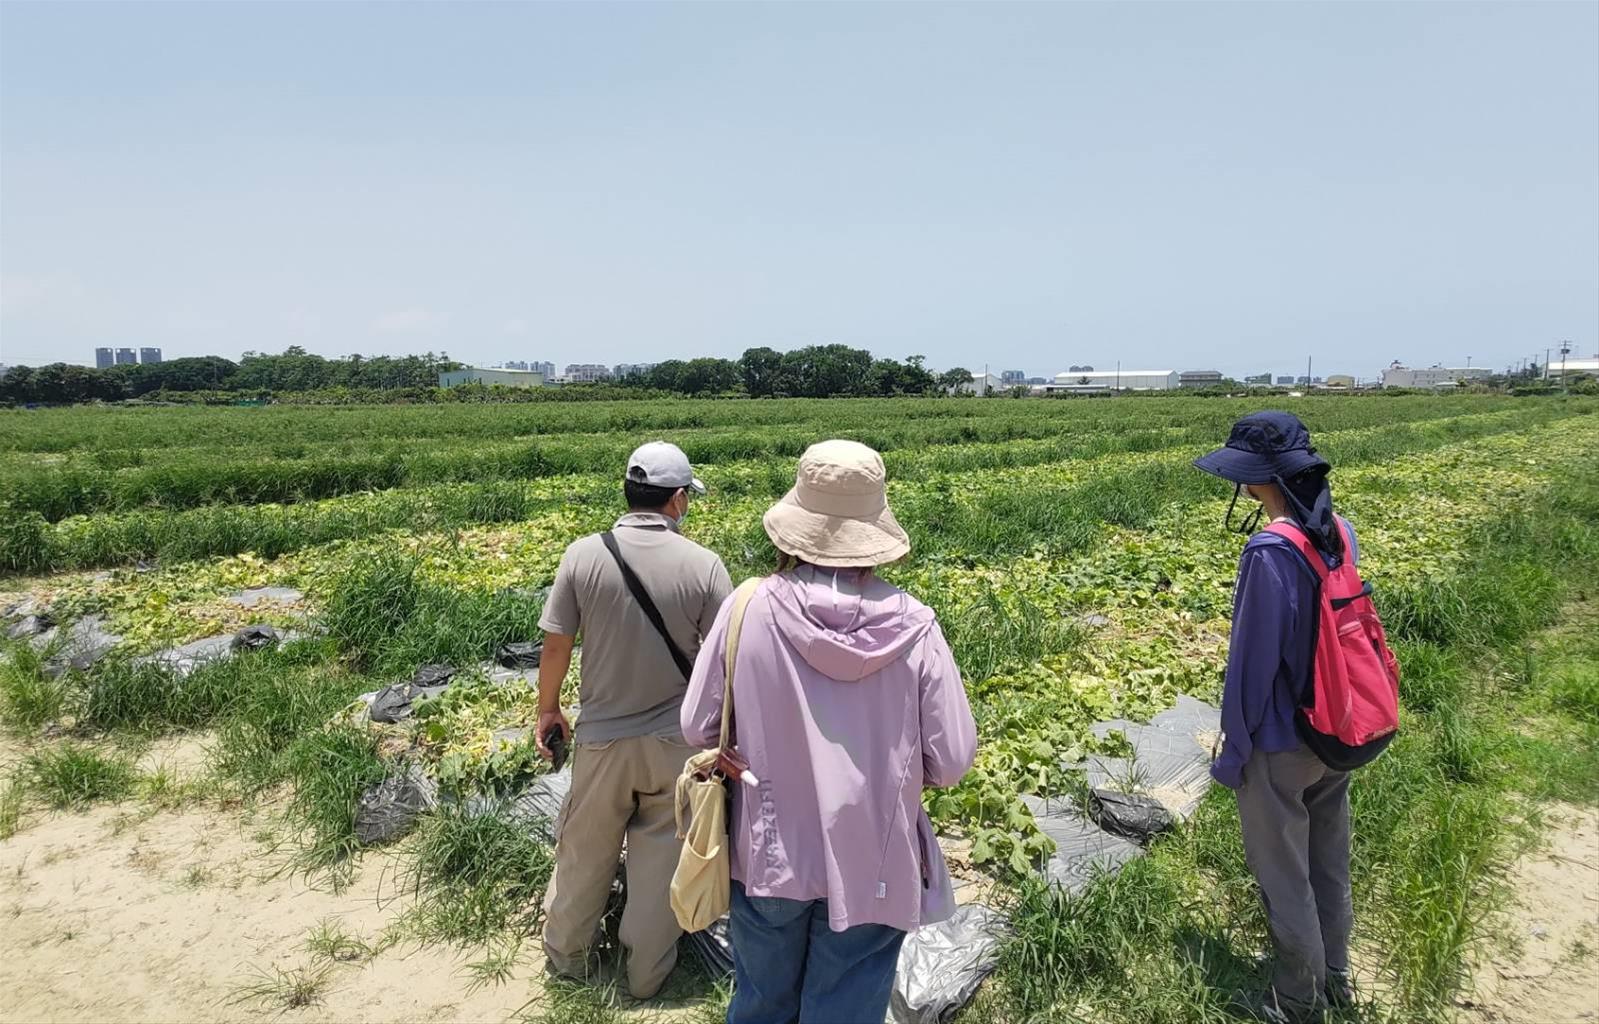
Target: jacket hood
[{"x": 846, "y": 627}]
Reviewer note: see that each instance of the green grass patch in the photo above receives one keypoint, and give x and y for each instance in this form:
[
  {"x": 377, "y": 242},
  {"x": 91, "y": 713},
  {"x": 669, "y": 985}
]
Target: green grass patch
[
  {"x": 29, "y": 699},
  {"x": 472, "y": 875},
  {"x": 329, "y": 770},
  {"x": 73, "y": 775}
]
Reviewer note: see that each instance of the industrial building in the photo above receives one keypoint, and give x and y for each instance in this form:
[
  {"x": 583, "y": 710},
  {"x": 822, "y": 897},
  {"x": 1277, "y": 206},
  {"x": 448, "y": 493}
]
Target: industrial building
[
  {"x": 1198, "y": 378},
  {"x": 982, "y": 384},
  {"x": 1340, "y": 380},
  {"x": 491, "y": 377},
  {"x": 1435, "y": 376},
  {"x": 1285, "y": 380},
  {"x": 104, "y": 359},
  {"x": 149, "y": 356},
  {"x": 1572, "y": 368},
  {"x": 1259, "y": 379},
  {"x": 1090, "y": 381},
  {"x": 586, "y": 373}
]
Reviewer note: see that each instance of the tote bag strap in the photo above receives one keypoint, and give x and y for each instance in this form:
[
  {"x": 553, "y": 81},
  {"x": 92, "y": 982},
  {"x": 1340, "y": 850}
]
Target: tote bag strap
[{"x": 735, "y": 626}]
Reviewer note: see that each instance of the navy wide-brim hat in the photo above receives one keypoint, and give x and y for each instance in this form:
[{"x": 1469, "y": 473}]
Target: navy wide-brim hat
[{"x": 1263, "y": 448}]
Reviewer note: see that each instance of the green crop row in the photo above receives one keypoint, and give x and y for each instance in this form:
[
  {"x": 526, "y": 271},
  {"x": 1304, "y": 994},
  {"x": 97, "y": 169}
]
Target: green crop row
[
  {"x": 29, "y": 544},
  {"x": 117, "y": 436},
  {"x": 186, "y": 478},
  {"x": 958, "y": 519}
]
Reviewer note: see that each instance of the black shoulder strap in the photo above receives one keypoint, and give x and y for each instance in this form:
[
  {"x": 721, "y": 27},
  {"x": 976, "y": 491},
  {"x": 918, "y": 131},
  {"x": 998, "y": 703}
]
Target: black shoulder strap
[{"x": 642, "y": 596}]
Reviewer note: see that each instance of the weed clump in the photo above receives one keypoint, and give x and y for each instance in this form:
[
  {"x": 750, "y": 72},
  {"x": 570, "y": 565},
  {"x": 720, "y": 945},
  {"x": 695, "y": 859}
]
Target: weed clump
[
  {"x": 29, "y": 699},
  {"x": 72, "y": 775},
  {"x": 472, "y": 874}
]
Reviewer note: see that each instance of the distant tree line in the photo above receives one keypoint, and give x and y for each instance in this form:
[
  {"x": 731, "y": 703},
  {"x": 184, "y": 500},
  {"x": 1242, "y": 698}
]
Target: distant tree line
[
  {"x": 816, "y": 371},
  {"x": 295, "y": 370}
]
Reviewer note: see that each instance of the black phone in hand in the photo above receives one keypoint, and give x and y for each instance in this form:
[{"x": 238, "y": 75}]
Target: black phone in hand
[{"x": 555, "y": 743}]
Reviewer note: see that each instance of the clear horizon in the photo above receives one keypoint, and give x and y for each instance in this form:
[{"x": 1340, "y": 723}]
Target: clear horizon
[{"x": 1184, "y": 186}]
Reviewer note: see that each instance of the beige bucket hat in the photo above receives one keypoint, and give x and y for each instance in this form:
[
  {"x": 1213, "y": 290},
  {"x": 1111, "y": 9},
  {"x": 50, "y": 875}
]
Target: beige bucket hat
[{"x": 837, "y": 514}]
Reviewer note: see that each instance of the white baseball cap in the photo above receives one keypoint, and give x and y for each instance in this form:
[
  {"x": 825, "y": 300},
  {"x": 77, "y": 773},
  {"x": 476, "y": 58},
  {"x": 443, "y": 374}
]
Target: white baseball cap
[{"x": 661, "y": 464}]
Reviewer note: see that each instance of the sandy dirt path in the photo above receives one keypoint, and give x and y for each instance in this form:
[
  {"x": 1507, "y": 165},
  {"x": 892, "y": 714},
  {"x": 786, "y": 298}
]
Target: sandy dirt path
[
  {"x": 165, "y": 919},
  {"x": 1549, "y": 974},
  {"x": 121, "y": 913}
]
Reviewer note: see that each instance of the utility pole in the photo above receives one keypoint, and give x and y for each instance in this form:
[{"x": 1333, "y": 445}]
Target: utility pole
[
  {"x": 1546, "y": 364},
  {"x": 1118, "y": 376},
  {"x": 1307, "y": 372},
  {"x": 1565, "y": 348}
]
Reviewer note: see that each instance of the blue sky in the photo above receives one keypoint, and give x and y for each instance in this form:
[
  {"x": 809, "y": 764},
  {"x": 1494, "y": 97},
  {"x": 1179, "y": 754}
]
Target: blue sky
[{"x": 1027, "y": 186}]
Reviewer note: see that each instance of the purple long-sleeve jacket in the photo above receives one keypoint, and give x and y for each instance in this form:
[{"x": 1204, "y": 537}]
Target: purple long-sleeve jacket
[
  {"x": 847, "y": 702},
  {"x": 1271, "y": 654}
]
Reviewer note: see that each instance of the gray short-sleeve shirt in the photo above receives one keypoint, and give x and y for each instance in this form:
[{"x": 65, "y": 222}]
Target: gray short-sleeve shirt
[{"x": 630, "y": 686}]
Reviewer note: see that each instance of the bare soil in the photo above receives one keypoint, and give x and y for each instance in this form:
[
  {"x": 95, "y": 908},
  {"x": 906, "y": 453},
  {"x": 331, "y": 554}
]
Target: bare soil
[
  {"x": 1547, "y": 969},
  {"x": 124, "y": 913}
]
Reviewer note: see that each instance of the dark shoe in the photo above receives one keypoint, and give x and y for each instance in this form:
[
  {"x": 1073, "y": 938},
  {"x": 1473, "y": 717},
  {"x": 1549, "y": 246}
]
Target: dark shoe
[
  {"x": 1271, "y": 1008},
  {"x": 1340, "y": 990}
]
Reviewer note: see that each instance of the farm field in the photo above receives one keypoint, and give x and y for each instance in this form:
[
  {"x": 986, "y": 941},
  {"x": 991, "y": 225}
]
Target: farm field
[{"x": 1079, "y": 566}]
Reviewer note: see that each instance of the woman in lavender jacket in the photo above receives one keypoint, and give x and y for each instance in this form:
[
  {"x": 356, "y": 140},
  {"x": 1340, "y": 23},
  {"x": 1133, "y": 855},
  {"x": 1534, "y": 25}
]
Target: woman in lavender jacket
[{"x": 847, "y": 703}]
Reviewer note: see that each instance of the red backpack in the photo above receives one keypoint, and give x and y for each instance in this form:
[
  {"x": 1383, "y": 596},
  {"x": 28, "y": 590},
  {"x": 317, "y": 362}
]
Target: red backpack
[{"x": 1351, "y": 711}]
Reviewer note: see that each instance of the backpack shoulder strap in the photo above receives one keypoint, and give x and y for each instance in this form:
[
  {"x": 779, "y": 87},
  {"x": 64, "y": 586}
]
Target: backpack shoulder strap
[
  {"x": 735, "y": 627},
  {"x": 1291, "y": 533},
  {"x": 635, "y": 586}
]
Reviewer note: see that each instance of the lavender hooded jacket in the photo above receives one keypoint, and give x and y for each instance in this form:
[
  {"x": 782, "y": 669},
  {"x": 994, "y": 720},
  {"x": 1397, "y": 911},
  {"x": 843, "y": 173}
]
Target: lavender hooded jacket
[{"x": 847, "y": 703}]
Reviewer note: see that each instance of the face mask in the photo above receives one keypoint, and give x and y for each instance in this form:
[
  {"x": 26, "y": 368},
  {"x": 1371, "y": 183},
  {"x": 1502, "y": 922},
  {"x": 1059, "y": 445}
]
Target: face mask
[{"x": 1253, "y": 520}]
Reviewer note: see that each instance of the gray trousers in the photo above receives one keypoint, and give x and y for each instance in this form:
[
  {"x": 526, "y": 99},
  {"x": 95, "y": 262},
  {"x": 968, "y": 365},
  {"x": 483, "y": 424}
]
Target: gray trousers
[{"x": 1295, "y": 815}]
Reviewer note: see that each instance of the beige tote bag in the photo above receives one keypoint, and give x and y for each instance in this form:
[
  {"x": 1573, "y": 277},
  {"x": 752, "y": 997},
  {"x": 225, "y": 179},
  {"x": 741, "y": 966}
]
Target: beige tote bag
[{"x": 701, "y": 886}]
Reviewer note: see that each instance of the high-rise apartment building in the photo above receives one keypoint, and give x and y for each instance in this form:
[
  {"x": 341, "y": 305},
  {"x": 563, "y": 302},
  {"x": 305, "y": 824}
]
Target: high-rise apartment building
[
  {"x": 149, "y": 356},
  {"x": 104, "y": 359},
  {"x": 127, "y": 357}
]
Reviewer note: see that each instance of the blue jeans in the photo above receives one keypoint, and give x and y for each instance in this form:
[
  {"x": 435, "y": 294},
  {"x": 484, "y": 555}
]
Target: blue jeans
[{"x": 789, "y": 967}]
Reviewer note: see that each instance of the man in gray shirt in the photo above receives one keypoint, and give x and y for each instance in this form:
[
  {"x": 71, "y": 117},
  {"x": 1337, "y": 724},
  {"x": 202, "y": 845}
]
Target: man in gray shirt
[{"x": 628, "y": 747}]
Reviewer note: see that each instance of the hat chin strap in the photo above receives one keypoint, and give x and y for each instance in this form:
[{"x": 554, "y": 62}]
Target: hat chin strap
[{"x": 1246, "y": 527}]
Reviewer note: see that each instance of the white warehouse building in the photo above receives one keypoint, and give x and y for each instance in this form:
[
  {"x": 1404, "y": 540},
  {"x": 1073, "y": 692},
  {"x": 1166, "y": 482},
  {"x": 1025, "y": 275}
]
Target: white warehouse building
[
  {"x": 983, "y": 384},
  {"x": 1110, "y": 380},
  {"x": 1435, "y": 376}
]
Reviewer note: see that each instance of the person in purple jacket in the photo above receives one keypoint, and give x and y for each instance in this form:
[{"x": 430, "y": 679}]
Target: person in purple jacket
[
  {"x": 847, "y": 703},
  {"x": 1293, "y": 808}
]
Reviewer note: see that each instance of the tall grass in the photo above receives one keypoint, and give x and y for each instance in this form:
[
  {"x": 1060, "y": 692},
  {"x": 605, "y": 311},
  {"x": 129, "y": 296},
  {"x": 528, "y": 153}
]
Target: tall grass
[
  {"x": 328, "y": 771},
  {"x": 29, "y": 698},
  {"x": 470, "y": 874},
  {"x": 387, "y": 620}
]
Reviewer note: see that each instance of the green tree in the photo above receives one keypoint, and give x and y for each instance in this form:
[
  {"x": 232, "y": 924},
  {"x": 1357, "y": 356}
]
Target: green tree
[
  {"x": 954, "y": 377},
  {"x": 762, "y": 371}
]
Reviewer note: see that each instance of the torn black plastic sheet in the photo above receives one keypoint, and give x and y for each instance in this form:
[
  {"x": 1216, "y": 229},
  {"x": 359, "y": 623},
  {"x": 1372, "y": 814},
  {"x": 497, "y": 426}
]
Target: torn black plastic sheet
[
  {"x": 78, "y": 646},
  {"x": 389, "y": 809},
  {"x": 941, "y": 965},
  {"x": 1169, "y": 764},
  {"x": 1083, "y": 850}
]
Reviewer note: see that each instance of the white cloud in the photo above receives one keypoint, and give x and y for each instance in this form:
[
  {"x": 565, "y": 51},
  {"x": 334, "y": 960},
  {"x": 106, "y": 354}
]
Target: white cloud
[
  {"x": 411, "y": 321},
  {"x": 514, "y": 327}
]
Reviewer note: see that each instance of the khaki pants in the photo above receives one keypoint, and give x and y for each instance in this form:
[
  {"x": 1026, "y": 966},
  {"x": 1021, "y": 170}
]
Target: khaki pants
[{"x": 620, "y": 788}]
